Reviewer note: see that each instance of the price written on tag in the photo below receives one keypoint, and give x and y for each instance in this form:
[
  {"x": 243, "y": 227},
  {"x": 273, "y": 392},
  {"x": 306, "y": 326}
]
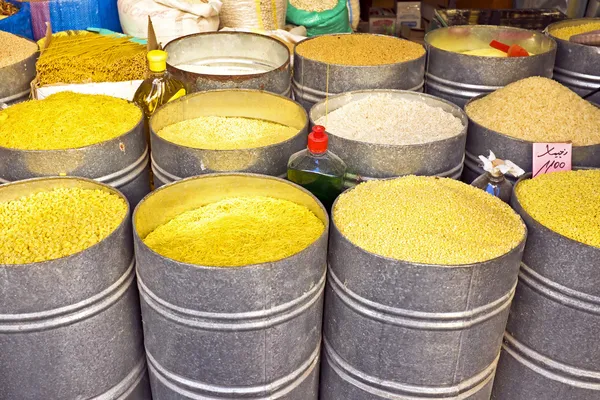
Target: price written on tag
[{"x": 551, "y": 157}]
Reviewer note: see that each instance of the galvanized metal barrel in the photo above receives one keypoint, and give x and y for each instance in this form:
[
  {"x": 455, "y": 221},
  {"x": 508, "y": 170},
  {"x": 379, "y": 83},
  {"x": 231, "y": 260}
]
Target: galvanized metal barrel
[
  {"x": 314, "y": 80},
  {"x": 577, "y": 66},
  {"x": 375, "y": 161},
  {"x": 70, "y": 328},
  {"x": 230, "y": 332},
  {"x": 231, "y": 60},
  {"x": 122, "y": 162},
  {"x": 481, "y": 140},
  {"x": 402, "y": 330},
  {"x": 551, "y": 342},
  {"x": 172, "y": 162},
  {"x": 15, "y": 79},
  {"x": 459, "y": 77}
]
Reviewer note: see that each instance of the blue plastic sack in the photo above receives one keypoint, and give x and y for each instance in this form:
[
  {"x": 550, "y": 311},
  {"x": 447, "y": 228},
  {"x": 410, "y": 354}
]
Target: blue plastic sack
[{"x": 19, "y": 23}]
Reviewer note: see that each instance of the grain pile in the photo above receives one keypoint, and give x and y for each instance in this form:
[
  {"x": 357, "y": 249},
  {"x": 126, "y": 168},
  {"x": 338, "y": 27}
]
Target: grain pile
[
  {"x": 314, "y": 5},
  {"x": 7, "y": 9},
  {"x": 58, "y": 223},
  {"x": 237, "y": 231},
  {"x": 14, "y": 49},
  {"x": 566, "y": 32},
  {"x": 385, "y": 119},
  {"x": 538, "y": 110},
  {"x": 359, "y": 49},
  {"x": 66, "y": 120},
  {"x": 428, "y": 220},
  {"x": 566, "y": 202},
  {"x": 226, "y": 133}
]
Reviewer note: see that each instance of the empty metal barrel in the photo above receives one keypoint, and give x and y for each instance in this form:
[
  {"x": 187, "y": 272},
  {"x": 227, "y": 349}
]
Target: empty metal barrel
[
  {"x": 402, "y": 330},
  {"x": 313, "y": 80},
  {"x": 577, "y": 66},
  {"x": 70, "y": 328},
  {"x": 172, "y": 162},
  {"x": 374, "y": 161},
  {"x": 458, "y": 77},
  {"x": 122, "y": 162},
  {"x": 231, "y": 60},
  {"x": 15, "y": 79},
  {"x": 551, "y": 342},
  {"x": 230, "y": 332}
]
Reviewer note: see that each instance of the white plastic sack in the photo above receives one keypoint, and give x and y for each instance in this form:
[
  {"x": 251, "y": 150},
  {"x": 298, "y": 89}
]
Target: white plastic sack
[
  {"x": 171, "y": 18},
  {"x": 254, "y": 14}
]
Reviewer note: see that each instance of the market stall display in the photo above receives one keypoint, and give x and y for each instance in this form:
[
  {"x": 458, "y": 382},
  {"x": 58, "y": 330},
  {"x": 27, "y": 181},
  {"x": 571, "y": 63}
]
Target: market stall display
[
  {"x": 432, "y": 299},
  {"x": 332, "y": 64},
  {"x": 224, "y": 131},
  {"x": 17, "y": 67},
  {"x": 535, "y": 109},
  {"x": 457, "y": 76},
  {"x": 577, "y": 64},
  {"x": 551, "y": 342},
  {"x": 61, "y": 341},
  {"x": 91, "y": 136},
  {"x": 246, "y": 320},
  {"x": 389, "y": 133}
]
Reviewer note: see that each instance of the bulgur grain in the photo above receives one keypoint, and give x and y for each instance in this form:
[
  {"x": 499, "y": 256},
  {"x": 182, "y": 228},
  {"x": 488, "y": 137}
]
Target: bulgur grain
[
  {"x": 314, "y": 5},
  {"x": 58, "y": 223},
  {"x": 226, "y": 133},
  {"x": 428, "y": 220},
  {"x": 538, "y": 109},
  {"x": 237, "y": 231},
  {"x": 66, "y": 120},
  {"x": 383, "y": 119},
  {"x": 14, "y": 49},
  {"x": 566, "y": 32},
  {"x": 566, "y": 202},
  {"x": 359, "y": 49}
]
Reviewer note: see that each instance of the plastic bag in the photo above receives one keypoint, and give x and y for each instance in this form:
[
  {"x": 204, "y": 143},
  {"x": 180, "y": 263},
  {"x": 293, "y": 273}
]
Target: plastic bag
[
  {"x": 171, "y": 18},
  {"x": 254, "y": 14},
  {"x": 354, "y": 13},
  {"x": 19, "y": 23},
  {"x": 335, "y": 20}
]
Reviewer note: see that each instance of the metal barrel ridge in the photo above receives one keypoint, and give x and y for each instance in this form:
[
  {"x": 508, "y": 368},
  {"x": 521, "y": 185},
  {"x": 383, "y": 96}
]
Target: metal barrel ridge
[
  {"x": 314, "y": 80},
  {"x": 231, "y": 60},
  {"x": 459, "y": 77},
  {"x": 70, "y": 328},
  {"x": 122, "y": 162},
  {"x": 15, "y": 79},
  {"x": 172, "y": 162},
  {"x": 395, "y": 329},
  {"x": 251, "y": 332},
  {"x": 551, "y": 342},
  {"x": 376, "y": 161},
  {"x": 577, "y": 65}
]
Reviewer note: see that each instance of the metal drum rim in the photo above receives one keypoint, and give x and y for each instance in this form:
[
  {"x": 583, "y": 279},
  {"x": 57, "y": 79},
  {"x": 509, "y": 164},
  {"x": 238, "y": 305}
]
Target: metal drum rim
[
  {"x": 271, "y": 264},
  {"x": 568, "y": 22},
  {"x": 104, "y": 187},
  {"x": 154, "y": 135}
]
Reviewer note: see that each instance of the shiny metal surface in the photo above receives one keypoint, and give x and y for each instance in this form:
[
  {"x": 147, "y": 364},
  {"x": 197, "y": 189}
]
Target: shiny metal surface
[
  {"x": 15, "y": 79},
  {"x": 551, "y": 343},
  {"x": 577, "y": 66},
  {"x": 370, "y": 160},
  {"x": 240, "y": 332},
  {"x": 231, "y": 60},
  {"x": 172, "y": 162},
  {"x": 401, "y": 330},
  {"x": 310, "y": 83},
  {"x": 122, "y": 162},
  {"x": 459, "y": 77},
  {"x": 70, "y": 328}
]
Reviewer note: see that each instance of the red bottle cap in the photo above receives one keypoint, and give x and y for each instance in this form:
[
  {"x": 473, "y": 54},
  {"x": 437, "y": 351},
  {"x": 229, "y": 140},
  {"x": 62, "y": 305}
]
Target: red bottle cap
[{"x": 317, "y": 140}]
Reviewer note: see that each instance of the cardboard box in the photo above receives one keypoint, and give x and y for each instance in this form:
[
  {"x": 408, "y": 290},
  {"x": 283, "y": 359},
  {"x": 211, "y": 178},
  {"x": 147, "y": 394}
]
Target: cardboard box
[
  {"x": 382, "y": 21},
  {"x": 408, "y": 13},
  {"x": 413, "y": 34},
  {"x": 481, "y": 4}
]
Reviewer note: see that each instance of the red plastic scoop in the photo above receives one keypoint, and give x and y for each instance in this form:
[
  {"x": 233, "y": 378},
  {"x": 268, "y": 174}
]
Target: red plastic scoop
[{"x": 512, "y": 51}]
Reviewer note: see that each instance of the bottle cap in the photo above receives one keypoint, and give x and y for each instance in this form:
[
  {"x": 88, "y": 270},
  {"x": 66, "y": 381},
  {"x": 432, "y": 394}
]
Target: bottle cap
[
  {"x": 157, "y": 60},
  {"x": 318, "y": 140}
]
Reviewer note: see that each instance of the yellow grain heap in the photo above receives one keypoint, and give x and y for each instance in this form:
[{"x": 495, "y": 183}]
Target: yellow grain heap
[
  {"x": 226, "y": 133},
  {"x": 566, "y": 32},
  {"x": 14, "y": 49},
  {"x": 538, "y": 110},
  {"x": 237, "y": 231},
  {"x": 361, "y": 49},
  {"x": 428, "y": 220},
  {"x": 66, "y": 120},
  {"x": 566, "y": 202},
  {"x": 57, "y": 223},
  {"x": 84, "y": 57}
]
